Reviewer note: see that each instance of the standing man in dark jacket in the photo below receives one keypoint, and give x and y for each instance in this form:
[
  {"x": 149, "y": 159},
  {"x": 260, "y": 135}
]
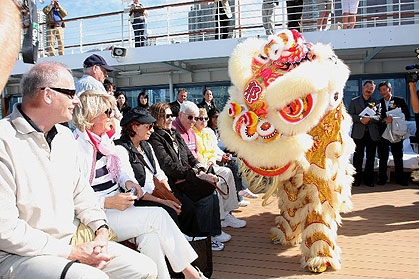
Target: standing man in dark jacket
[
  {"x": 182, "y": 95},
  {"x": 55, "y": 14},
  {"x": 365, "y": 114},
  {"x": 389, "y": 102}
]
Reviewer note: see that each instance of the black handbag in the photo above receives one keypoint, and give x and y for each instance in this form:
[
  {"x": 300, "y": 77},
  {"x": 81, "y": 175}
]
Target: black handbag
[
  {"x": 194, "y": 187},
  {"x": 204, "y": 261}
]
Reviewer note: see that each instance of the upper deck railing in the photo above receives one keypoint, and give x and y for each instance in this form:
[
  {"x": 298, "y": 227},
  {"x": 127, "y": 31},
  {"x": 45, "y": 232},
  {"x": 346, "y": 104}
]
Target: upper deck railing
[{"x": 195, "y": 21}]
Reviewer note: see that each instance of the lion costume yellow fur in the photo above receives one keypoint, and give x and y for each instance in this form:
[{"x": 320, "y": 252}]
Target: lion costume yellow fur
[{"x": 286, "y": 122}]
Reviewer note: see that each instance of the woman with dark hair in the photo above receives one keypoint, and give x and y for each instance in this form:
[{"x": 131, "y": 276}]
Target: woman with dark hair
[
  {"x": 176, "y": 159},
  {"x": 207, "y": 100},
  {"x": 134, "y": 149},
  {"x": 142, "y": 100},
  {"x": 121, "y": 102}
]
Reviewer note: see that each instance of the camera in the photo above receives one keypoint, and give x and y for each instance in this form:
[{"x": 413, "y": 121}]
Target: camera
[
  {"x": 412, "y": 76},
  {"x": 133, "y": 192}
]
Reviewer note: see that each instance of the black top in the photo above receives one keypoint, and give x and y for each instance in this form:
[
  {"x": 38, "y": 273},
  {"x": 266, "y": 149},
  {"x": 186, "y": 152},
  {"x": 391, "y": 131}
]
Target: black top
[
  {"x": 135, "y": 157},
  {"x": 174, "y": 164}
]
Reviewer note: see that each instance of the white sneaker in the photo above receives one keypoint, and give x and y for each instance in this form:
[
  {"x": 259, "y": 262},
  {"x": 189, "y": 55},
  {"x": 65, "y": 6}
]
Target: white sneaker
[
  {"x": 231, "y": 221},
  {"x": 223, "y": 237},
  {"x": 216, "y": 246},
  {"x": 244, "y": 203}
]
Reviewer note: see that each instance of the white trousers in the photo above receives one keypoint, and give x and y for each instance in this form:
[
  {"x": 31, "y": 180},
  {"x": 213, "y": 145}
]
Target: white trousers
[
  {"x": 227, "y": 202},
  {"x": 156, "y": 235},
  {"x": 127, "y": 264}
]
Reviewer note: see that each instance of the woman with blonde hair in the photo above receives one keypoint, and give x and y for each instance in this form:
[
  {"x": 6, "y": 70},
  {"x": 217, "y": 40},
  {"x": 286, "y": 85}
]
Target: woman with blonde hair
[{"x": 150, "y": 228}]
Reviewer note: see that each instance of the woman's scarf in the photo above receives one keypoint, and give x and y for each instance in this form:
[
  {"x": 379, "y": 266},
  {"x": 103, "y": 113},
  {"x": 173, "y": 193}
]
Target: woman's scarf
[{"x": 105, "y": 146}]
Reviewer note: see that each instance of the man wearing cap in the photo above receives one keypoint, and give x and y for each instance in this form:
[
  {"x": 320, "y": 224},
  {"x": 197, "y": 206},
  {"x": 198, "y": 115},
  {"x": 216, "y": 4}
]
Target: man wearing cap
[{"x": 95, "y": 72}]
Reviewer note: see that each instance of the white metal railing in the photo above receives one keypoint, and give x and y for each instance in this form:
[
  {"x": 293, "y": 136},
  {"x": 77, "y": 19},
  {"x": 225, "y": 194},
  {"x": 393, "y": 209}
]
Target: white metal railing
[{"x": 192, "y": 21}]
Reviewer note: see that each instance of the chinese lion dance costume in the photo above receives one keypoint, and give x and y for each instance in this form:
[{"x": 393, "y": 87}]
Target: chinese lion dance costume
[{"x": 286, "y": 121}]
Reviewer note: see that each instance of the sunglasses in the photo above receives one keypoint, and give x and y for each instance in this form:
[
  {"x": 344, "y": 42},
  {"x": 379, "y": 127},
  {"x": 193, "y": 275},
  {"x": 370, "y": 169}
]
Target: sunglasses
[
  {"x": 149, "y": 126},
  {"x": 215, "y": 116},
  {"x": 69, "y": 92},
  {"x": 108, "y": 112},
  {"x": 201, "y": 118},
  {"x": 169, "y": 115},
  {"x": 190, "y": 117}
]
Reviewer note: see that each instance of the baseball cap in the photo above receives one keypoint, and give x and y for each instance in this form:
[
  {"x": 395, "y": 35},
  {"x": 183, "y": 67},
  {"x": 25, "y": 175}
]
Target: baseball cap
[
  {"x": 141, "y": 115},
  {"x": 98, "y": 60}
]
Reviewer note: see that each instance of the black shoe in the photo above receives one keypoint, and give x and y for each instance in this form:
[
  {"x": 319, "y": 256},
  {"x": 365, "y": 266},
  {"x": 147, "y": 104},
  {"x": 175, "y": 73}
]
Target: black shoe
[{"x": 381, "y": 182}]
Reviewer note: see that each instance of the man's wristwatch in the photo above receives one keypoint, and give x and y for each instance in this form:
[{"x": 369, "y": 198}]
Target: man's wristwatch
[{"x": 101, "y": 227}]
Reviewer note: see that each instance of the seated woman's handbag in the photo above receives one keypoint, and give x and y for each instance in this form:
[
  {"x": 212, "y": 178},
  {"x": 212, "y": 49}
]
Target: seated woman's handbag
[
  {"x": 199, "y": 184},
  {"x": 85, "y": 234},
  {"x": 161, "y": 191}
]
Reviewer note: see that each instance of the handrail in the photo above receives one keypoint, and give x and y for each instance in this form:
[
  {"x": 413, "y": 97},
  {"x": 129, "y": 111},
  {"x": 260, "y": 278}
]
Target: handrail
[{"x": 175, "y": 23}]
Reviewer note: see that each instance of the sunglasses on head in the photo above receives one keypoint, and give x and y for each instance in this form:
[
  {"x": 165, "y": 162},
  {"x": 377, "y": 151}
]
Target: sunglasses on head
[
  {"x": 169, "y": 115},
  {"x": 108, "y": 112},
  {"x": 201, "y": 118},
  {"x": 69, "y": 92},
  {"x": 190, "y": 117}
]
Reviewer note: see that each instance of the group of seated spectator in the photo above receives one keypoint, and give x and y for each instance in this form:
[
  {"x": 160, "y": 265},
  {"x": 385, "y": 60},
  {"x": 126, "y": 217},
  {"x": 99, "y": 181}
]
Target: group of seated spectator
[{"x": 109, "y": 166}]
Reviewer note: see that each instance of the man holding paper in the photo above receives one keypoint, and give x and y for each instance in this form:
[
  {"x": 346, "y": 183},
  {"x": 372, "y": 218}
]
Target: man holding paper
[
  {"x": 365, "y": 113},
  {"x": 389, "y": 104}
]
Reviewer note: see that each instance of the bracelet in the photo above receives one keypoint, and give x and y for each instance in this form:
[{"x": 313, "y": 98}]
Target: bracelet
[{"x": 101, "y": 227}]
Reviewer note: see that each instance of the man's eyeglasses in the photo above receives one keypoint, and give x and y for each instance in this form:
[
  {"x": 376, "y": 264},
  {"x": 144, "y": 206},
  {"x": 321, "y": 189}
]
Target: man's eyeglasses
[
  {"x": 149, "y": 126},
  {"x": 201, "y": 118},
  {"x": 190, "y": 117},
  {"x": 69, "y": 92},
  {"x": 169, "y": 115},
  {"x": 108, "y": 112}
]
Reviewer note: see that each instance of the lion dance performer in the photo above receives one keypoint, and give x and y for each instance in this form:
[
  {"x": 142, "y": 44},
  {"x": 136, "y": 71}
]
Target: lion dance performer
[{"x": 286, "y": 121}]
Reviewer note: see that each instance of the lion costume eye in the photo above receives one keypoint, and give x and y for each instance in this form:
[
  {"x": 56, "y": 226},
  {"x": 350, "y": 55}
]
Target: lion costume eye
[{"x": 298, "y": 109}]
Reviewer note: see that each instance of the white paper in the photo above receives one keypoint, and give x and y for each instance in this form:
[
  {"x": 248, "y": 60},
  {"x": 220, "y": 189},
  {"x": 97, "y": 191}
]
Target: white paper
[{"x": 367, "y": 112}]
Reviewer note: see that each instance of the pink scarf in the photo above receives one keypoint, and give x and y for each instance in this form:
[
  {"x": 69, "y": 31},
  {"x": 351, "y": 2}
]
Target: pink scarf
[{"x": 105, "y": 146}]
